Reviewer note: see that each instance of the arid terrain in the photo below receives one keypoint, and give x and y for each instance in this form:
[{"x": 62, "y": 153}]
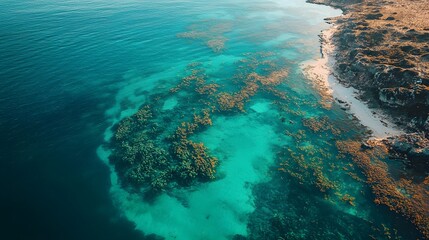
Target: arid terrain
[{"x": 382, "y": 50}]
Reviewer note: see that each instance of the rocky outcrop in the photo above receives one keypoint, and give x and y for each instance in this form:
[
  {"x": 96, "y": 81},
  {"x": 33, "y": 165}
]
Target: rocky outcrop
[
  {"x": 343, "y": 4},
  {"x": 405, "y": 97},
  {"x": 383, "y": 50},
  {"x": 413, "y": 149}
]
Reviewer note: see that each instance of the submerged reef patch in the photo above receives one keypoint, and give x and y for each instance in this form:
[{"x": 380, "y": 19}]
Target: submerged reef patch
[
  {"x": 160, "y": 150},
  {"x": 317, "y": 192},
  {"x": 403, "y": 196},
  {"x": 154, "y": 150},
  {"x": 212, "y": 33},
  {"x": 143, "y": 161}
]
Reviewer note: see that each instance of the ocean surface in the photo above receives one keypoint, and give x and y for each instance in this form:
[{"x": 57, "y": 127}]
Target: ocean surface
[{"x": 70, "y": 70}]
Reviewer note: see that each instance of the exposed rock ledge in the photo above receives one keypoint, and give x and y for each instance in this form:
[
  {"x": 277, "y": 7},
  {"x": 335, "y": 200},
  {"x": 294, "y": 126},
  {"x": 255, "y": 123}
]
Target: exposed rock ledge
[{"x": 382, "y": 49}]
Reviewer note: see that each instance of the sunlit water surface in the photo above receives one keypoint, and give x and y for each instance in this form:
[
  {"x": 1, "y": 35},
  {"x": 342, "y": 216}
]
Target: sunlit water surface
[{"x": 72, "y": 69}]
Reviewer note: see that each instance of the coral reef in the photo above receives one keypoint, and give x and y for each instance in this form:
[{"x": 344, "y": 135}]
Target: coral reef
[
  {"x": 285, "y": 210},
  {"x": 320, "y": 124},
  {"x": 305, "y": 160},
  {"x": 135, "y": 154},
  {"x": 229, "y": 101},
  {"x": 210, "y": 32},
  {"x": 195, "y": 161},
  {"x": 253, "y": 82},
  {"x": 306, "y": 168},
  {"x": 402, "y": 196},
  {"x": 151, "y": 158}
]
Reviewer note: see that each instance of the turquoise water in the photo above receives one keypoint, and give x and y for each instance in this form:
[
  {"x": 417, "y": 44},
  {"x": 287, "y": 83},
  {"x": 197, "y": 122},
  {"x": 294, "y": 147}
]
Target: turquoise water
[{"x": 72, "y": 70}]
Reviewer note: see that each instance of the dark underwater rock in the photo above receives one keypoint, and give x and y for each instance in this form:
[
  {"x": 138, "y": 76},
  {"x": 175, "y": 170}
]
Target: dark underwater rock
[{"x": 414, "y": 148}]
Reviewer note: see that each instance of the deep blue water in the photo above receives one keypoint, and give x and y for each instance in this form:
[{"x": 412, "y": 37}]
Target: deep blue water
[
  {"x": 71, "y": 68},
  {"x": 57, "y": 73}
]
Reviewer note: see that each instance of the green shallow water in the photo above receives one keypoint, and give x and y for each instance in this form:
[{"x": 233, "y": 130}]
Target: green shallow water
[{"x": 276, "y": 178}]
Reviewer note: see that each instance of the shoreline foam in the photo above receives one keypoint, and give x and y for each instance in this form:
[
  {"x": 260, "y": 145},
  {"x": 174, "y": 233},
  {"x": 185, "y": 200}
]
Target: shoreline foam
[{"x": 320, "y": 72}]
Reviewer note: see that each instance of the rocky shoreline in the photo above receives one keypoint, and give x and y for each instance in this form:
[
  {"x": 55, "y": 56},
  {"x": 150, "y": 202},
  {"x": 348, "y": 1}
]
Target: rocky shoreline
[
  {"x": 326, "y": 82},
  {"x": 381, "y": 49}
]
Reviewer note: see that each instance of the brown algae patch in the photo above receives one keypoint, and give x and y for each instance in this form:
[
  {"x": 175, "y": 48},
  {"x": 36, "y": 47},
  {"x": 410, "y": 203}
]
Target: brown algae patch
[
  {"x": 308, "y": 161},
  {"x": 154, "y": 151},
  {"x": 403, "y": 196},
  {"x": 320, "y": 124},
  {"x": 212, "y": 33},
  {"x": 143, "y": 161}
]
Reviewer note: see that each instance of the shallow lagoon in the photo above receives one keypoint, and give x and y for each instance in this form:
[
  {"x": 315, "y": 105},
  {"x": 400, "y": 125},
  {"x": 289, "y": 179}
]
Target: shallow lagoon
[
  {"x": 277, "y": 177},
  {"x": 266, "y": 142}
]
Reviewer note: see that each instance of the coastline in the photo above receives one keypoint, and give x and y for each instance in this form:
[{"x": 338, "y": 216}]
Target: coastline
[
  {"x": 381, "y": 50},
  {"x": 372, "y": 52},
  {"x": 323, "y": 77}
]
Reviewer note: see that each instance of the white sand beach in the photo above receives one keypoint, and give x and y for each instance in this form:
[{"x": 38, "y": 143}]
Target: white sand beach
[{"x": 320, "y": 72}]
